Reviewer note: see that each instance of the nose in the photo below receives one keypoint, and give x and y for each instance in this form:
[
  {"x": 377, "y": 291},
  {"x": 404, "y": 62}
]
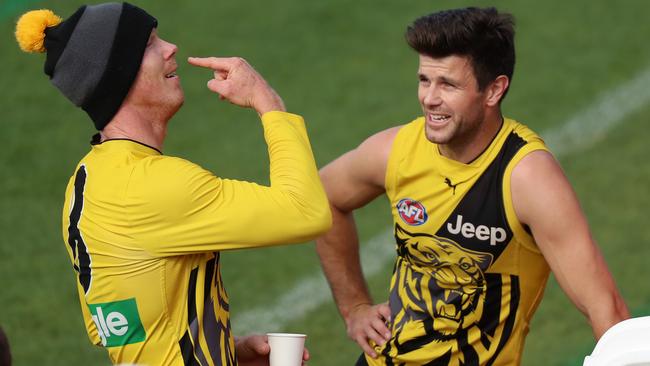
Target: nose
[
  {"x": 170, "y": 50},
  {"x": 432, "y": 96}
]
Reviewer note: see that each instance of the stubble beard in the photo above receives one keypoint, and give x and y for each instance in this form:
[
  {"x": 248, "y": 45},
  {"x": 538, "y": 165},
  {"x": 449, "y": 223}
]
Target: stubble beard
[{"x": 441, "y": 136}]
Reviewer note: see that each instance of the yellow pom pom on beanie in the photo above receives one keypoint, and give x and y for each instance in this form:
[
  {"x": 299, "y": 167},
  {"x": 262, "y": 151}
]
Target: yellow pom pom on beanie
[
  {"x": 93, "y": 56},
  {"x": 30, "y": 29}
]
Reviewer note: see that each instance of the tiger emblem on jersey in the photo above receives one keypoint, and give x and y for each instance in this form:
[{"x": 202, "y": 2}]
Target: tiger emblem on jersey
[{"x": 437, "y": 293}]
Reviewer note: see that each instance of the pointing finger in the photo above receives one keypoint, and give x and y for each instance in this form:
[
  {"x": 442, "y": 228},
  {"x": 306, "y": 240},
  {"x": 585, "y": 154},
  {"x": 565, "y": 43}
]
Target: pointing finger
[{"x": 214, "y": 63}]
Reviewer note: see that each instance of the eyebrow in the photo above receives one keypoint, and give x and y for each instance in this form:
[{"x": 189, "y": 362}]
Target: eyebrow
[{"x": 448, "y": 80}]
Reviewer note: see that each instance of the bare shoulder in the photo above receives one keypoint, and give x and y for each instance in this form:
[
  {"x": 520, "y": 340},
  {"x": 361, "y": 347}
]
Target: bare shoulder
[
  {"x": 535, "y": 164},
  {"x": 371, "y": 156},
  {"x": 381, "y": 142},
  {"x": 539, "y": 186},
  {"x": 357, "y": 176}
]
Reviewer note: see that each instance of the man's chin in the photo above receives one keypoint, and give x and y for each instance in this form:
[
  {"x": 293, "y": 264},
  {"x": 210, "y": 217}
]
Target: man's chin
[
  {"x": 436, "y": 137},
  {"x": 176, "y": 106}
]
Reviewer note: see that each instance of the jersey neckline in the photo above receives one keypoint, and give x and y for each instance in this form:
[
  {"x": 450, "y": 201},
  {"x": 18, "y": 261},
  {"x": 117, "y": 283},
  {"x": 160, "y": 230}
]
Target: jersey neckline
[{"x": 96, "y": 141}]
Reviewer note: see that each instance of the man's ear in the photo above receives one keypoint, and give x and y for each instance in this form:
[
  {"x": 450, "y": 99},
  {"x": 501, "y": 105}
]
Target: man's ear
[{"x": 495, "y": 90}]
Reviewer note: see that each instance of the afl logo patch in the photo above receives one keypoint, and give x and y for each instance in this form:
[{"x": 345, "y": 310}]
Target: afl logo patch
[{"x": 412, "y": 212}]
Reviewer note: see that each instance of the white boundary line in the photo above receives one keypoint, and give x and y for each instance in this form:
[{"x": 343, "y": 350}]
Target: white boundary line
[
  {"x": 594, "y": 122},
  {"x": 579, "y": 132}
]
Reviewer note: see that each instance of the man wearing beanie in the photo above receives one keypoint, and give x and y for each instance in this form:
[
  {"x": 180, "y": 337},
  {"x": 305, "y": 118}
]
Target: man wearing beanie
[{"x": 144, "y": 230}]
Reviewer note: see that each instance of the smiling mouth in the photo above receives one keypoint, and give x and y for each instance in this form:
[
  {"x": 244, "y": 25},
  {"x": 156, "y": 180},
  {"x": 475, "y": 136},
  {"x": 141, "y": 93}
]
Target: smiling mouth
[
  {"x": 171, "y": 75},
  {"x": 438, "y": 118}
]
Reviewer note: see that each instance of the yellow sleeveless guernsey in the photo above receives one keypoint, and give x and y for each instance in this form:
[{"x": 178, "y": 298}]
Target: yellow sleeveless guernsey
[{"x": 468, "y": 275}]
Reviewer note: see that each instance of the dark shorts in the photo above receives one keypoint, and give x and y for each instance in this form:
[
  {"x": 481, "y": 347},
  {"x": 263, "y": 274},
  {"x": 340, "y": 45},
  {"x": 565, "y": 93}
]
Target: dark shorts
[{"x": 361, "y": 361}]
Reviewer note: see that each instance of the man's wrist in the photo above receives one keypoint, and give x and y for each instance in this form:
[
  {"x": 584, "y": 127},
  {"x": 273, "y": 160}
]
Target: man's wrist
[
  {"x": 269, "y": 103},
  {"x": 348, "y": 311}
]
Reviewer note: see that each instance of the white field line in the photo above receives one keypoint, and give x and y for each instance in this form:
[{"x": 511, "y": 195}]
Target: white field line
[
  {"x": 579, "y": 132},
  {"x": 608, "y": 110}
]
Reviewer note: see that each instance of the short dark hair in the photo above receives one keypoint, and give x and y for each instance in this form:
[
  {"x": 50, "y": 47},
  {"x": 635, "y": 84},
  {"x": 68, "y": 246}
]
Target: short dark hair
[{"x": 484, "y": 35}]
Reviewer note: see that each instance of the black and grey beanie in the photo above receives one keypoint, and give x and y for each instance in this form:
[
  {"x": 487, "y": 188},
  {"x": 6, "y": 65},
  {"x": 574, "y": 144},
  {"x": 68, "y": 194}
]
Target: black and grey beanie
[{"x": 93, "y": 57}]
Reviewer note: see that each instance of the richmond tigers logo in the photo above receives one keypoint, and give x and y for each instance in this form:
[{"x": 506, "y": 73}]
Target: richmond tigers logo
[{"x": 438, "y": 293}]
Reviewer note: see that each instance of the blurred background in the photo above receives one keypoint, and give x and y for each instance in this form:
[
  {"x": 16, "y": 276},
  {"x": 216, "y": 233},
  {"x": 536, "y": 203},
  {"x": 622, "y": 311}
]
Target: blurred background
[{"x": 581, "y": 80}]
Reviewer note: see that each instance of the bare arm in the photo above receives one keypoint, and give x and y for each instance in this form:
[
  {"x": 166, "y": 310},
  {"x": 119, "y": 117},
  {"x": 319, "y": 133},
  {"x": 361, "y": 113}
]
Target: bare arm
[
  {"x": 544, "y": 200},
  {"x": 351, "y": 181}
]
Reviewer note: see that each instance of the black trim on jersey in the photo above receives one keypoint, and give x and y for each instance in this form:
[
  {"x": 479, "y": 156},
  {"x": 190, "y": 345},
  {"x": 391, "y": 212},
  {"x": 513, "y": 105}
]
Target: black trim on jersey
[
  {"x": 207, "y": 282},
  {"x": 97, "y": 140},
  {"x": 193, "y": 321},
  {"x": 187, "y": 350},
  {"x": 510, "y": 322},
  {"x": 470, "y": 357},
  {"x": 386, "y": 353},
  {"x": 186, "y": 343},
  {"x": 483, "y": 203},
  {"x": 491, "y": 308},
  {"x": 75, "y": 240},
  {"x": 222, "y": 301},
  {"x": 211, "y": 328},
  {"x": 491, "y": 141},
  {"x": 441, "y": 361},
  {"x": 191, "y": 296},
  {"x": 486, "y": 146}
]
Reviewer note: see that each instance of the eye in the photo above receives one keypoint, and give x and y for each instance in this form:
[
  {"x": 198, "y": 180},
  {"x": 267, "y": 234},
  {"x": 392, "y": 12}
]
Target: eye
[
  {"x": 447, "y": 84},
  {"x": 423, "y": 79}
]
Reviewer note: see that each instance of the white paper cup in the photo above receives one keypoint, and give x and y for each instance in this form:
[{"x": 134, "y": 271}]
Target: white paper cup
[{"x": 286, "y": 349}]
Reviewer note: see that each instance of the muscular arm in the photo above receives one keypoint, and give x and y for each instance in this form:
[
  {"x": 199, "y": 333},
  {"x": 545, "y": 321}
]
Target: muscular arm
[
  {"x": 351, "y": 181},
  {"x": 544, "y": 200}
]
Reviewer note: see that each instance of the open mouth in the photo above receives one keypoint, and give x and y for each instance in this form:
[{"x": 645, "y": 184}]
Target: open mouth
[
  {"x": 438, "y": 118},
  {"x": 171, "y": 75}
]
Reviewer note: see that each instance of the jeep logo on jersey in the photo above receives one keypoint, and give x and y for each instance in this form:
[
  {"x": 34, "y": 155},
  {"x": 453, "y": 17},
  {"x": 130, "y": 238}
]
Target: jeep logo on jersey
[
  {"x": 412, "y": 212},
  {"x": 482, "y": 232},
  {"x": 118, "y": 322}
]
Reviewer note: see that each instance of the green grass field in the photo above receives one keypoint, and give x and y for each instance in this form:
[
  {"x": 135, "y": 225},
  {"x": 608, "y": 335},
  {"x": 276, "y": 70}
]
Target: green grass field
[{"x": 344, "y": 66}]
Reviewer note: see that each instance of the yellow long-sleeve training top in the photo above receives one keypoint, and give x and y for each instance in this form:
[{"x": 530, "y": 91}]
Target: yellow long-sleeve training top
[{"x": 144, "y": 231}]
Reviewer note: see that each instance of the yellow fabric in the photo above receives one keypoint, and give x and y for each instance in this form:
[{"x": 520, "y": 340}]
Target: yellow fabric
[
  {"x": 30, "y": 29},
  {"x": 152, "y": 224},
  {"x": 431, "y": 268}
]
